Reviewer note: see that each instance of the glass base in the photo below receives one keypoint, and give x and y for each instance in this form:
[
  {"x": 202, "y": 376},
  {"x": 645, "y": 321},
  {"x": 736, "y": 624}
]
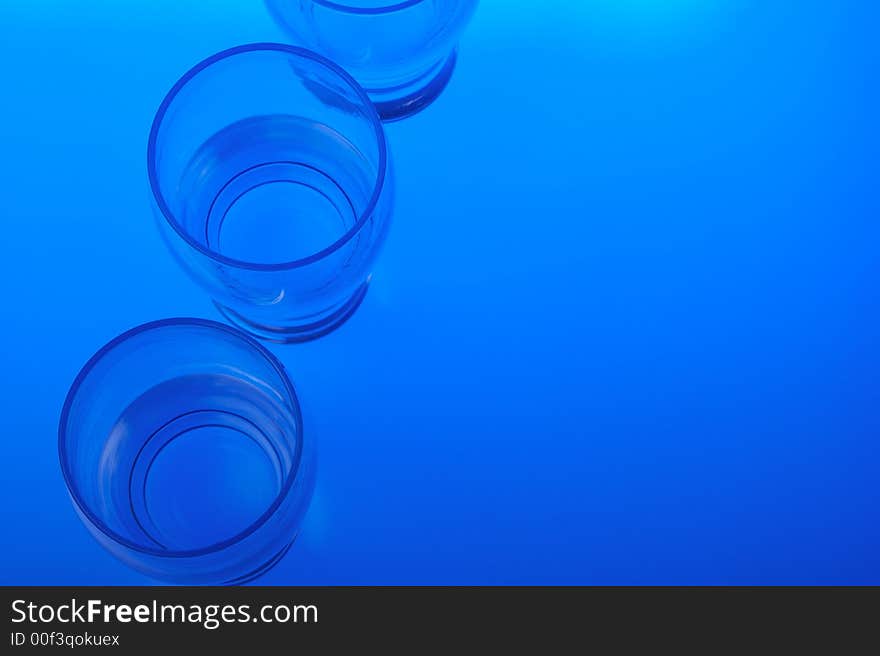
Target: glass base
[
  {"x": 406, "y": 100},
  {"x": 262, "y": 569},
  {"x": 311, "y": 328}
]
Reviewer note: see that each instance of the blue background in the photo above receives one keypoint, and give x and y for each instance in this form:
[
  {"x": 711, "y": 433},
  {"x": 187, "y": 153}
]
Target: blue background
[{"x": 625, "y": 330}]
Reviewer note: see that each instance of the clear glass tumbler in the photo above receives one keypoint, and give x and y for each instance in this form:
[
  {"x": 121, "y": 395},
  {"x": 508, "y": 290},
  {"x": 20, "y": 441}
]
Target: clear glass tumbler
[
  {"x": 402, "y": 51},
  {"x": 271, "y": 176},
  {"x": 182, "y": 446}
]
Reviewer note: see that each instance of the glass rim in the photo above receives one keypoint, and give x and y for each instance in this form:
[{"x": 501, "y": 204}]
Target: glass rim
[
  {"x": 63, "y": 430},
  {"x": 389, "y": 7},
  {"x": 373, "y": 116}
]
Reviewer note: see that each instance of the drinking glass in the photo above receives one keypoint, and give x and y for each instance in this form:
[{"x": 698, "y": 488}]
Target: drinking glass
[
  {"x": 271, "y": 176},
  {"x": 402, "y": 51},
  {"x": 182, "y": 446}
]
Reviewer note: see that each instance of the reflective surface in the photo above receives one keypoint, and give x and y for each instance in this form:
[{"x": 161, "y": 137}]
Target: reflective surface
[{"x": 624, "y": 328}]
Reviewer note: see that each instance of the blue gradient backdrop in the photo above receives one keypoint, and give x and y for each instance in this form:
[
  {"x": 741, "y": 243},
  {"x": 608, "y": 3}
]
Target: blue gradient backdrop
[{"x": 626, "y": 328}]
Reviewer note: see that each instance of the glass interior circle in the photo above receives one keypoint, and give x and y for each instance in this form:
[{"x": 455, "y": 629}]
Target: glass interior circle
[{"x": 278, "y": 204}]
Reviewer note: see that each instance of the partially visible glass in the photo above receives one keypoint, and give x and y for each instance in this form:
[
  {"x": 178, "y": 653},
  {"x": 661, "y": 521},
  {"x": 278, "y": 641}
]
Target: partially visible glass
[
  {"x": 182, "y": 446},
  {"x": 272, "y": 181},
  {"x": 402, "y": 52}
]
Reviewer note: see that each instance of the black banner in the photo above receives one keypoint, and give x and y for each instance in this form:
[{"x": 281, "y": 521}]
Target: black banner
[{"x": 125, "y": 620}]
